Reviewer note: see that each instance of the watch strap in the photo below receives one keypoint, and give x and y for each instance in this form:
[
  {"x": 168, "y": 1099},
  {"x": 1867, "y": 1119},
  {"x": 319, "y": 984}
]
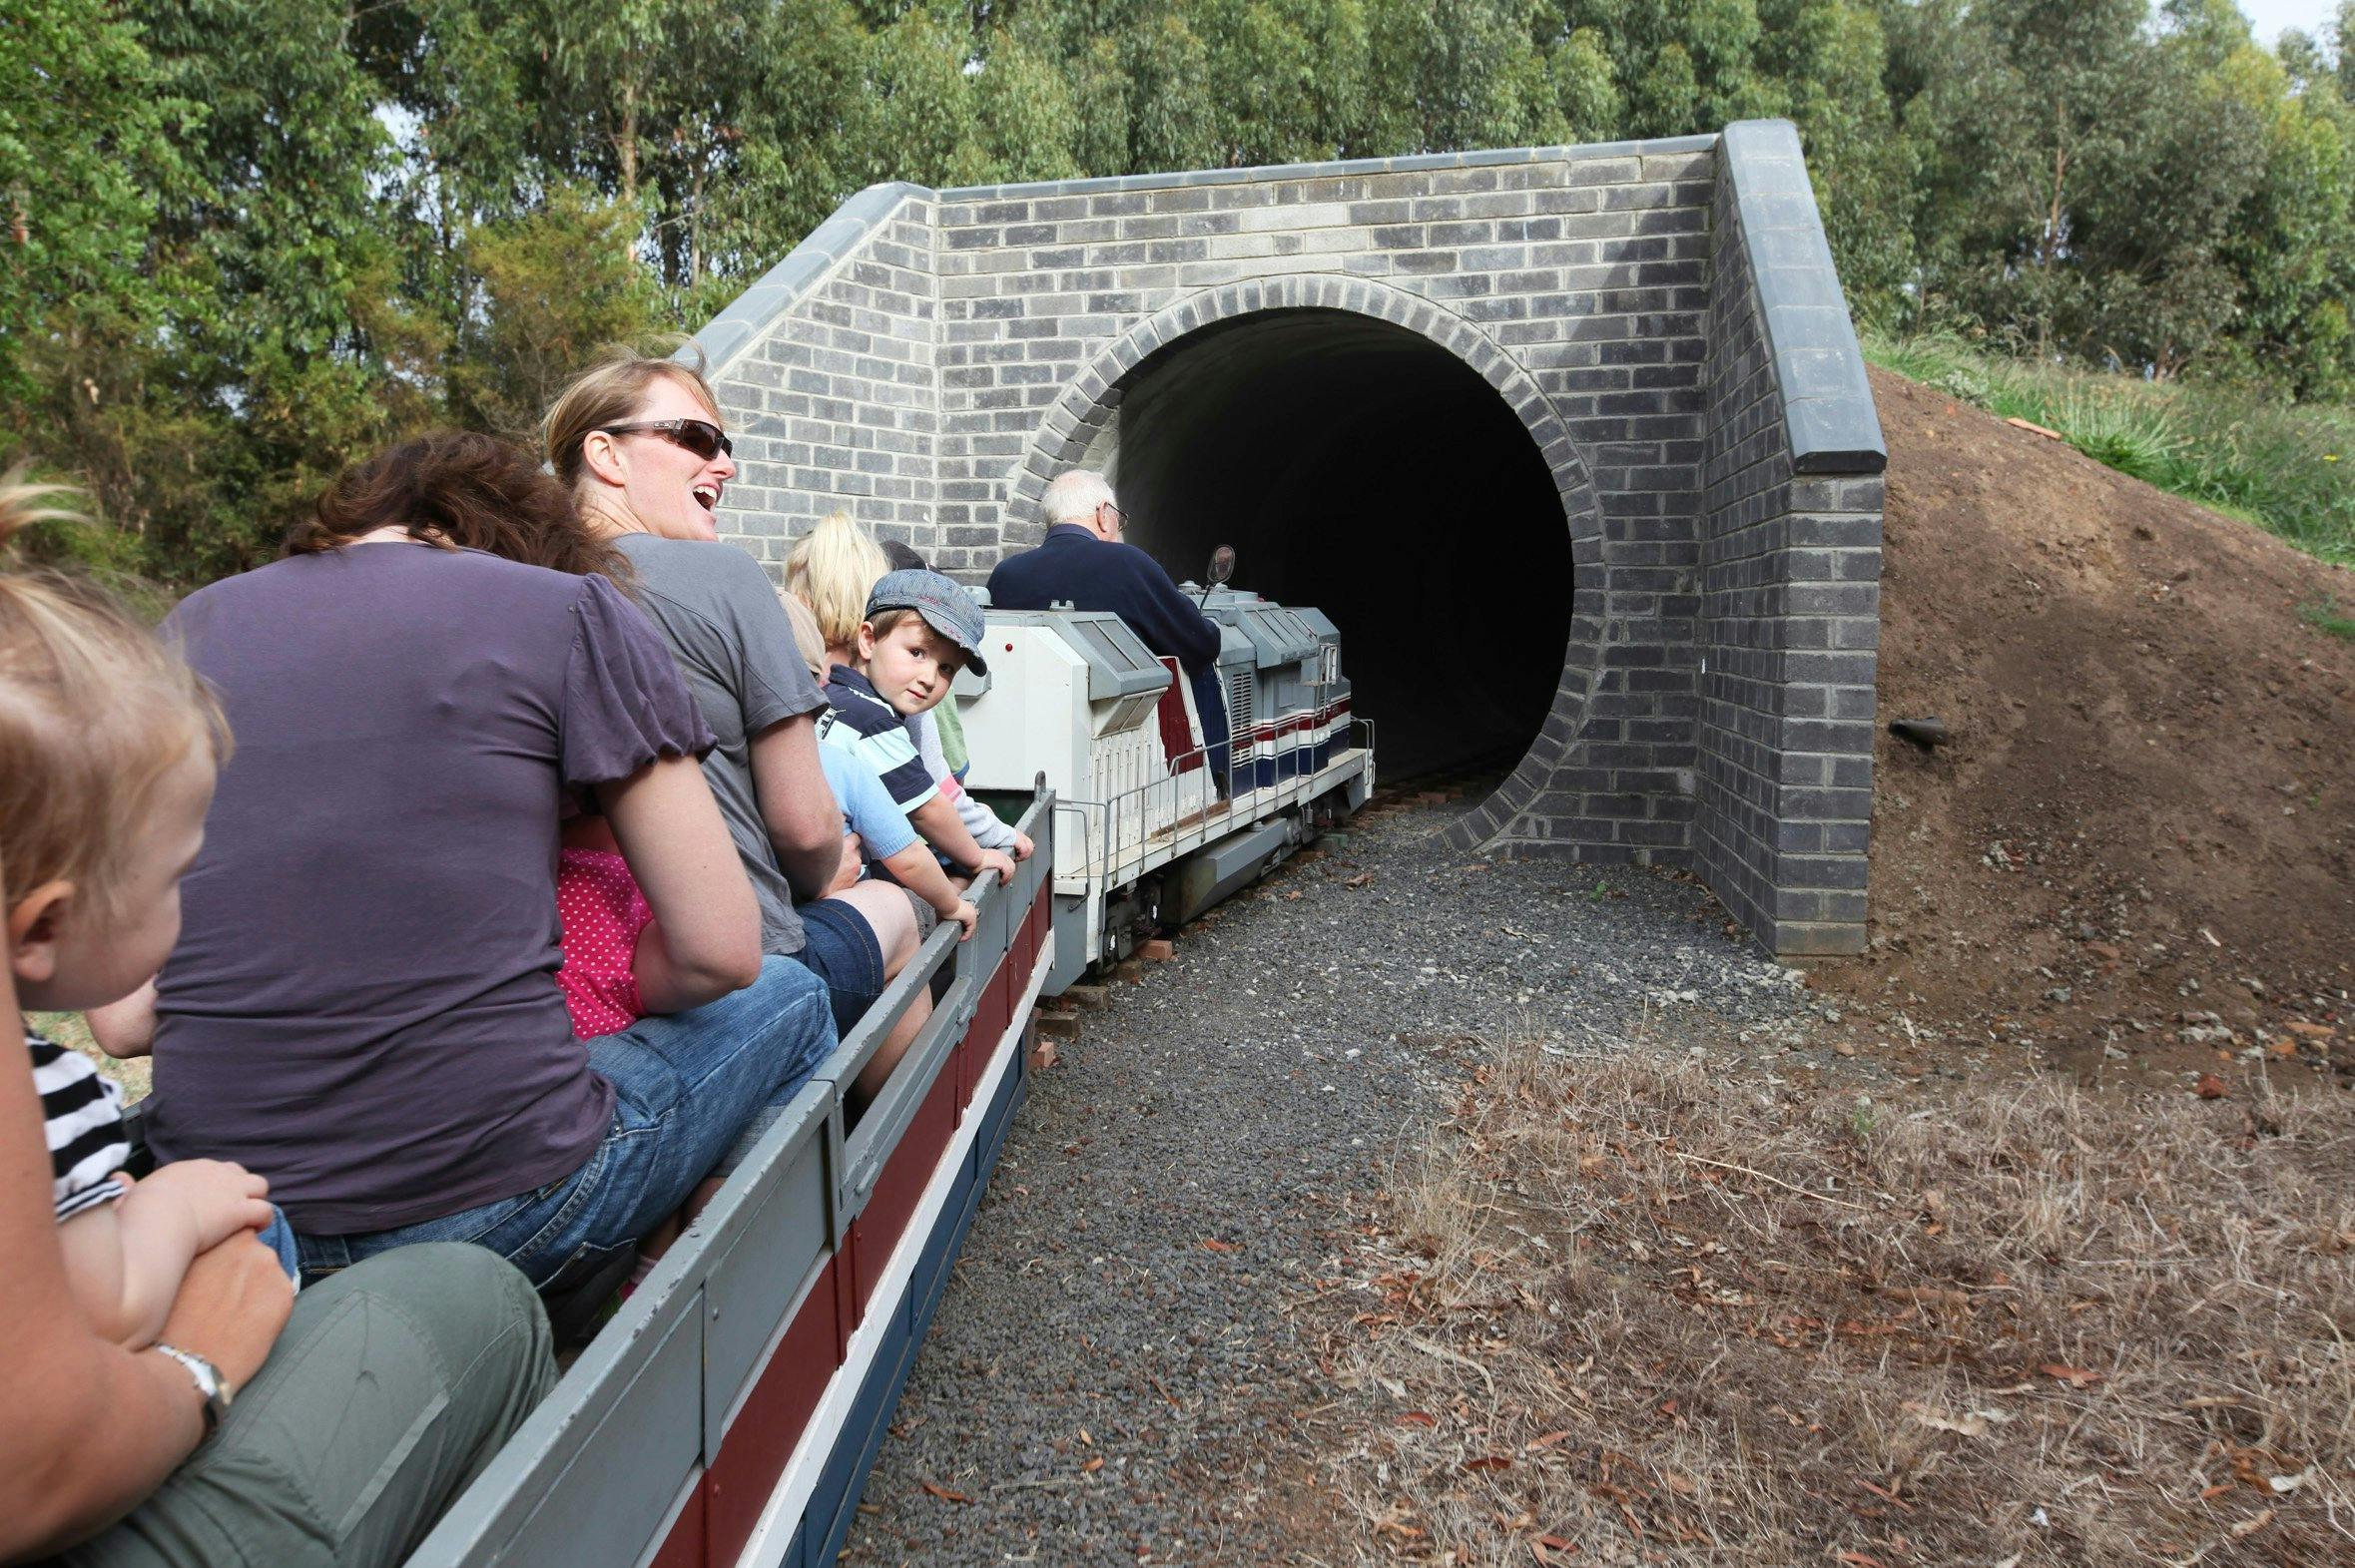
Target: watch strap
[{"x": 208, "y": 1380}]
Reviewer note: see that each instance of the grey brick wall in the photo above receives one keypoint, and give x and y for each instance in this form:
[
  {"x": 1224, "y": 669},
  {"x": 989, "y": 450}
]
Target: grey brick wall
[
  {"x": 930, "y": 360},
  {"x": 1790, "y": 567},
  {"x": 826, "y": 371}
]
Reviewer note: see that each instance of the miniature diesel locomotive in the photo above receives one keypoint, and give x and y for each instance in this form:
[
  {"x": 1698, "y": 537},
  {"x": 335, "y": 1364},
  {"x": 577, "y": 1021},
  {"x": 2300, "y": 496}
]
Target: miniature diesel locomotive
[{"x": 1152, "y": 825}]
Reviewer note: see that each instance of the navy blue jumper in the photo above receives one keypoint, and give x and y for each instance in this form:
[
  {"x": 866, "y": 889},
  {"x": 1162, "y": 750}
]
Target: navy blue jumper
[{"x": 1073, "y": 566}]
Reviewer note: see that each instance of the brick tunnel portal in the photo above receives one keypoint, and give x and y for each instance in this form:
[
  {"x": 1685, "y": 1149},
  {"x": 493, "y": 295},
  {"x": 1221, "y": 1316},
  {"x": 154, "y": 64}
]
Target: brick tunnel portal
[{"x": 1362, "y": 468}]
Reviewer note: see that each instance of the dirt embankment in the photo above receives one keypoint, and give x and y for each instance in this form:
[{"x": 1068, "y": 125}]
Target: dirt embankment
[{"x": 2139, "y": 836}]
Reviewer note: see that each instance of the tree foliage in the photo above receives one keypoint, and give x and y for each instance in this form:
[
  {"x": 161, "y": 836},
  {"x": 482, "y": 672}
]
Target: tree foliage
[{"x": 250, "y": 240}]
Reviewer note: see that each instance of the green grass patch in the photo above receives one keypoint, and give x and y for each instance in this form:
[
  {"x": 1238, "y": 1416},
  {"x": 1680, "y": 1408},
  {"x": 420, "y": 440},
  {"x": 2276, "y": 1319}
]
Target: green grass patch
[
  {"x": 2326, "y": 616},
  {"x": 68, "y": 1030},
  {"x": 2289, "y": 468}
]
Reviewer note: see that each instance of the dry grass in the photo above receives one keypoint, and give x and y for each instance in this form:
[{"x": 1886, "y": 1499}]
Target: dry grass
[
  {"x": 68, "y": 1030},
  {"x": 1639, "y": 1310}
]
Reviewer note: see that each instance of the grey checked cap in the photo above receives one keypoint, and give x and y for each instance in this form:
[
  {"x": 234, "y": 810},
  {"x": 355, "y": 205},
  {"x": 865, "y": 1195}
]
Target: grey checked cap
[{"x": 944, "y": 605}]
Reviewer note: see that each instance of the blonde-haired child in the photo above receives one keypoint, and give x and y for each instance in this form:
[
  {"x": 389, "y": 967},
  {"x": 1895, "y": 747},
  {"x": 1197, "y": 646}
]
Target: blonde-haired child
[
  {"x": 830, "y": 569},
  {"x": 108, "y": 749}
]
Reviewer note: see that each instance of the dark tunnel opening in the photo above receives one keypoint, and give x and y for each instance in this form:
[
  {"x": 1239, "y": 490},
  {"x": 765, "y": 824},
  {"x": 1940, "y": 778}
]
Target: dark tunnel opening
[{"x": 1359, "y": 467}]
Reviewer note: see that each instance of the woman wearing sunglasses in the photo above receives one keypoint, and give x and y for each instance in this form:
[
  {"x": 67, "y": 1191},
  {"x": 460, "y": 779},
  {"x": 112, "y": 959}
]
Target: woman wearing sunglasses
[{"x": 639, "y": 440}]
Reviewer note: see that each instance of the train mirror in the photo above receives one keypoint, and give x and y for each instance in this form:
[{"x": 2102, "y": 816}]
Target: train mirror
[{"x": 1222, "y": 566}]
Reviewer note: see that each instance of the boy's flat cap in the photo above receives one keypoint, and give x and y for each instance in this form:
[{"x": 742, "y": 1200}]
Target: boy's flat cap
[{"x": 944, "y": 605}]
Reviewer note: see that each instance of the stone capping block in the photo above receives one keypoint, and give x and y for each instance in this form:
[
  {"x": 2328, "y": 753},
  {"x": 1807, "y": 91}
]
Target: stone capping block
[
  {"x": 1346, "y": 166},
  {"x": 748, "y": 318},
  {"x": 1832, "y": 425}
]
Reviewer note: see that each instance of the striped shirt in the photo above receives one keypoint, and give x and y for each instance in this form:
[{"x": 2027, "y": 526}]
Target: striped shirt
[
  {"x": 83, "y": 1116},
  {"x": 874, "y": 729}
]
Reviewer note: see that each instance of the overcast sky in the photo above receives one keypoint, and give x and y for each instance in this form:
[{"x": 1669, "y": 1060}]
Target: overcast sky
[{"x": 2271, "y": 17}]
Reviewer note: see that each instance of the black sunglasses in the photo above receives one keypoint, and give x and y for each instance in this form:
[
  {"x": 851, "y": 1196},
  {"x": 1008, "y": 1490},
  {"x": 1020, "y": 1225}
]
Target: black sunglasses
[{"x": 700, "y": 437}]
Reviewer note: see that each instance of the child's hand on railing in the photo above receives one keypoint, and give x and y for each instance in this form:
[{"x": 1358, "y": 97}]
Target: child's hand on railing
[
  {"x": 965, "y": 915},
  {"x": 1022, "y": 846},
  {"x": 995, "y": 861}
]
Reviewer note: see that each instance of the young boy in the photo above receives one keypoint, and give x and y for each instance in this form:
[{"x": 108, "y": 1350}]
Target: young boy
[
  {"x": 941, "y": 741},
  {"x": 870, "y": 812},
  {"x": 921, "y": 629}
]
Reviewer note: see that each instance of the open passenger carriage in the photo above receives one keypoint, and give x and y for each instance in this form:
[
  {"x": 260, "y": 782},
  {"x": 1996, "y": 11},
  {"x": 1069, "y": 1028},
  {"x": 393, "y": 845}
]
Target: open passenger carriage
[
  {"x": 730, "y": 1410},
  {"x": 729, "y": 1413}
]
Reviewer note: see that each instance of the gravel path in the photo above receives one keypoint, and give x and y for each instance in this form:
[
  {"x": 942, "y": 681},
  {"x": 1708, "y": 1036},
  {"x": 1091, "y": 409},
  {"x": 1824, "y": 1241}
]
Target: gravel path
[{"x": 1112, "y": 1376}]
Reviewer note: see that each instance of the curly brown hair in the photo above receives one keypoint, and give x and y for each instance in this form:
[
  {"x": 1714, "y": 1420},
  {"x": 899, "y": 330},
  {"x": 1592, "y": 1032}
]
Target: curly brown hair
[{"x": 463, "y": 491}]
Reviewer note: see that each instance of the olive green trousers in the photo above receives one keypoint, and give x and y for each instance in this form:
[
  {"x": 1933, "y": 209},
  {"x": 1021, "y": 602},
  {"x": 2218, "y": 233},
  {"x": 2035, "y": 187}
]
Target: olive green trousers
[{"x": 394, "y": 1384}]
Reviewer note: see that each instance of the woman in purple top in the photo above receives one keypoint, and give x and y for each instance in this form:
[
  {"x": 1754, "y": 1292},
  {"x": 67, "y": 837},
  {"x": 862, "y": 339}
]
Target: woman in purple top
[{"x": 363, "y": 1005}]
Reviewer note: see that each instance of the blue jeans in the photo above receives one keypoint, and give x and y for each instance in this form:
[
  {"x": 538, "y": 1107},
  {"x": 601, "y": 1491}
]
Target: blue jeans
[
  {"x": 279, "y": 1236},
  {"x": 685, "y": 1087},
  {"x": 842, "y": 950}
]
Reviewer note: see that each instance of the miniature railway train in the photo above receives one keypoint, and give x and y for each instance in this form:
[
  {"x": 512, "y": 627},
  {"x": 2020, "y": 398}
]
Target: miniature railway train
[{"x": 729, "y": 1413}]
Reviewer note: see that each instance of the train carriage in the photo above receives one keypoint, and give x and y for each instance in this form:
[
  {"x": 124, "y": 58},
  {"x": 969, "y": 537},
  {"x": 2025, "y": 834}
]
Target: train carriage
[{"x": 730, "y": 1410}]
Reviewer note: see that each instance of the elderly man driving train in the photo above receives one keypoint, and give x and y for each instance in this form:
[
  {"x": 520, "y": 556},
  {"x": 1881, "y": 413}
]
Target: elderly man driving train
[{"x": 1084, "y": 562}]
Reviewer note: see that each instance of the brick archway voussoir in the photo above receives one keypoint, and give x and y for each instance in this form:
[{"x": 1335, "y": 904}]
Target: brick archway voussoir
[{"x": 1064, "y": 431}]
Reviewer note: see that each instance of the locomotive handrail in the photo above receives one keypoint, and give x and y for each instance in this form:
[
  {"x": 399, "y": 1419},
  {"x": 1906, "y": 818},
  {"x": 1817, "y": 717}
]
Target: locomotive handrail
[
  {"x": 1287, "y": 788},
  {"x": 616, "y": 1453}
]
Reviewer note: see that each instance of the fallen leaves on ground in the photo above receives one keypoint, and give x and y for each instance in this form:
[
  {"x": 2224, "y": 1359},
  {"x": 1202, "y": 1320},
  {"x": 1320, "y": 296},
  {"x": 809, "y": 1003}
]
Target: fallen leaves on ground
[{"x": 1647, "y": 1305}]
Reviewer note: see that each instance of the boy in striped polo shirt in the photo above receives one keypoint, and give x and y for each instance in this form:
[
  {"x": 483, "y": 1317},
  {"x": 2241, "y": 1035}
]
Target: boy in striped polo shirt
[{"x": 921, "y": 629}]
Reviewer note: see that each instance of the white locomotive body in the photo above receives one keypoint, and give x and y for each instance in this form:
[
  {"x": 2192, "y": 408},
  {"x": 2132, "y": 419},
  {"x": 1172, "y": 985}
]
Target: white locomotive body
[{"x": 1145, "y": 834}]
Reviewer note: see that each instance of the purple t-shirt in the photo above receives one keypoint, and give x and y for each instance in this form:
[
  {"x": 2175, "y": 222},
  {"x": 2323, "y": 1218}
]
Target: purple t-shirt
[{"x": 363, "y": 1004}]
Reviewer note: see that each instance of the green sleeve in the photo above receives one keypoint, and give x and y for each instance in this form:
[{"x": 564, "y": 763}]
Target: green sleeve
[{"x": 953, "y": 735}]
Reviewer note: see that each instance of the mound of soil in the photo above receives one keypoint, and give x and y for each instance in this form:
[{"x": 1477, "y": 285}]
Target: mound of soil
[{"x": 2137, "y": 838}]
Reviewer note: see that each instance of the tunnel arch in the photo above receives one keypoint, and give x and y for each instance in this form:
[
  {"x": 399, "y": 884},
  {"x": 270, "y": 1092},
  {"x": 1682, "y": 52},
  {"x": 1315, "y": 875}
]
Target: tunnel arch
[{"x": 1085, "y": 425}]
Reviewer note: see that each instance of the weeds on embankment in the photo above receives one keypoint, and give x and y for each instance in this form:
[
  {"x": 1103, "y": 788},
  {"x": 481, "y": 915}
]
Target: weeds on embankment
[
  {"x": 2287, "y": 467},
  {"x": 1639, "y": 1308},
  {"x": 2324, "y": 615}
]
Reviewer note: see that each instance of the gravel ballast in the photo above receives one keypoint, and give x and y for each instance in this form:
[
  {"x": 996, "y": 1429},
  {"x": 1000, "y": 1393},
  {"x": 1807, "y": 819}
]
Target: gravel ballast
[{"x": 1112, "y": 1375}]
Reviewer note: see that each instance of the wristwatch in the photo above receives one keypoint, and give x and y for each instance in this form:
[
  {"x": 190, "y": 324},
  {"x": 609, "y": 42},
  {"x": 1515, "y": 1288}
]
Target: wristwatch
[{"x": 208, "y": 1380}]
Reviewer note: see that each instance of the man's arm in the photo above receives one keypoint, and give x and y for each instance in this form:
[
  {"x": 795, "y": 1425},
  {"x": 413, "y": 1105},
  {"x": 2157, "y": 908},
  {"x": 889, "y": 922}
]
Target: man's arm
[{"x": 1171, "y": 620}]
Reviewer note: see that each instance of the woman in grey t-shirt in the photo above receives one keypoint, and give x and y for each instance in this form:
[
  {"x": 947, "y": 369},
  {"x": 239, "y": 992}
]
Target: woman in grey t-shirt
[{"x": 639, "y": 442}]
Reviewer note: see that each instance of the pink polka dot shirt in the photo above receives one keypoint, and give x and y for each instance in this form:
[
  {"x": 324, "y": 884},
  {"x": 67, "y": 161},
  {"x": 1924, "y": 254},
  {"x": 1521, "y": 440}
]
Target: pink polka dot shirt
[{"x": 603, "y": 911}]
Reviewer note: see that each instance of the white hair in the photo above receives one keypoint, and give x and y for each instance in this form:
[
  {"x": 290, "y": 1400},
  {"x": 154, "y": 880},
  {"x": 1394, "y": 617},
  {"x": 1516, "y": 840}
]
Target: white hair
[{"x": 1072, "y": 496}]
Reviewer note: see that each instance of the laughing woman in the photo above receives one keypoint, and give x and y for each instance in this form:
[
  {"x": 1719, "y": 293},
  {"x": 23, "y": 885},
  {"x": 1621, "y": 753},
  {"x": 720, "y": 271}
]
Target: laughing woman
[{"x": 640, "y": 443}]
